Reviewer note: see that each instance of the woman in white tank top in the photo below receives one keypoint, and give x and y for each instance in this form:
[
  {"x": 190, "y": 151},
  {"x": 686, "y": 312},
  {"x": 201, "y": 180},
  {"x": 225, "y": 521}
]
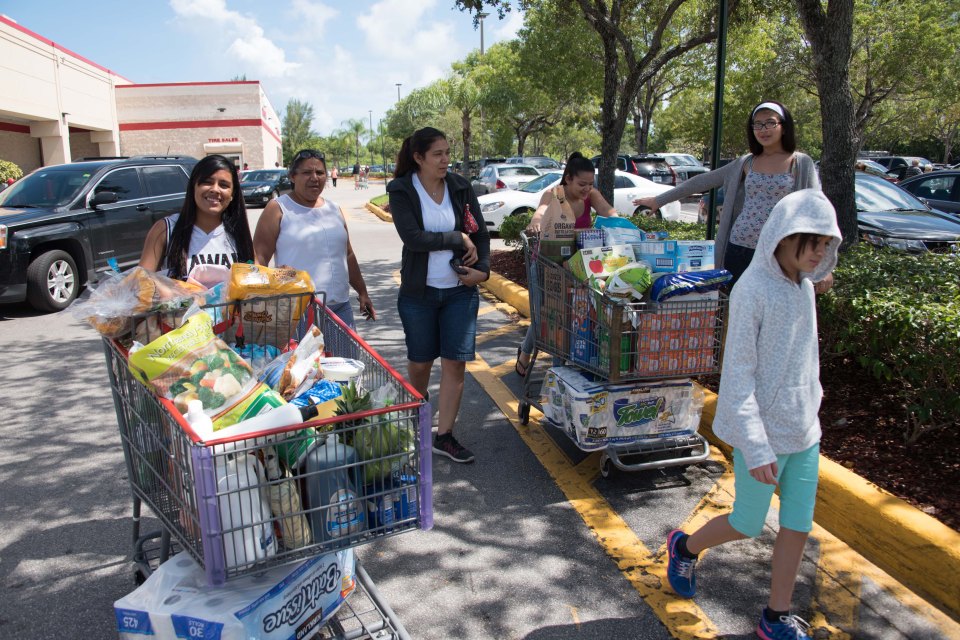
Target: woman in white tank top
[
  {"x": 305, "y": 231},
  {"x": 211, "y": 228}
]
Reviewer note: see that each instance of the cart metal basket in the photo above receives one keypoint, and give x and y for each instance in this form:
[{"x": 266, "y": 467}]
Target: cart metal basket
[
  {"x": 621, "y": 341},
  {"x": 222, "y": 522}
]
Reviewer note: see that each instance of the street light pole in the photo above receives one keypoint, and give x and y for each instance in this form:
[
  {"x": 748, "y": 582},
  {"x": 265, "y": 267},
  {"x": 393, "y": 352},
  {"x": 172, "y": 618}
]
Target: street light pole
[
  {"x": 383, "y": 154},
  {"x": 398, "y": 91},
  {"x": 481, "y": 16},
  {"x": 371, "y": 137}
]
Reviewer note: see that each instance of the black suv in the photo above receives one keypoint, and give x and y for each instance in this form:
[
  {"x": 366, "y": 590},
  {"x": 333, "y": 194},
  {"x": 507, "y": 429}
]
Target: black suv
[
  {"x": 263, "y": 185},
  {"x": 61, "y": 224},
  {"x": 651, "y": 167}
]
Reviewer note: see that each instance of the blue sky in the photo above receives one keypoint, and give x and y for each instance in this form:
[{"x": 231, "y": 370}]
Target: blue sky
[{"x": 344, "y": 58}]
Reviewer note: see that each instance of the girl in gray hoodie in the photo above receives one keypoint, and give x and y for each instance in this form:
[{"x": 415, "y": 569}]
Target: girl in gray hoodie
[{"x": 768, "y": 402}]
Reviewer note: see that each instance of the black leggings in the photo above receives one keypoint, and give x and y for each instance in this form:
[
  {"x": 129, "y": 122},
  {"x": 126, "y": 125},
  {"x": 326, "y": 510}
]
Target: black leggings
[{"x": 736, "y": 259}]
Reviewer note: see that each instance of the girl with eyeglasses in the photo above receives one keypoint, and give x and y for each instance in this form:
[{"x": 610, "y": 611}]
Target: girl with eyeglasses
[
  {"x": 308, "y": 232},
  {"x": 211, "y": 228},
  {"x": 752, "y": 185}
]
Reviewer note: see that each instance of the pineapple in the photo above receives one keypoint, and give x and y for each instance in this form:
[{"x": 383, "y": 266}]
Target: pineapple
[{"x": 353, "y": 400}]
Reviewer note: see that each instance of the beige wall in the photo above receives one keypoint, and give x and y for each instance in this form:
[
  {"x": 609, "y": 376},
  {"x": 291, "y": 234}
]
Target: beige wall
[
  {"x": 49, "y": 88},
  {"x": 20, "y": 149},
  {"x": 81, "y": 146},
  {"x": 189, "y": 142}
]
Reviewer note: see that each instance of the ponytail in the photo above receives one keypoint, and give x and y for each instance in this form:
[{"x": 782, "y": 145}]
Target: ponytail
[
  {"x": 420, "y": 142},
  {"x": 576, "y": 163}
]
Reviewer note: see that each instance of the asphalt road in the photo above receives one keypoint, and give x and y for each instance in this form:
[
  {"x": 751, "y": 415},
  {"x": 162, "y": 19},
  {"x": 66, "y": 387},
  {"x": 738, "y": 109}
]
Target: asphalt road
[{"x": 528, "y": 542}]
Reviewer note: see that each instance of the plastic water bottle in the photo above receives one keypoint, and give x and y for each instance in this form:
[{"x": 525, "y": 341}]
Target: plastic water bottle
[
  {"x": 331, "y": 491},
  {"x": 244, "y": 511}
]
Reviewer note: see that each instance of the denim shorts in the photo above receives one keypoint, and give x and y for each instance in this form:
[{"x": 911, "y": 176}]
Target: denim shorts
[
  {"x": 442, "y": 323},
  {"x": 798, "y": 477}
]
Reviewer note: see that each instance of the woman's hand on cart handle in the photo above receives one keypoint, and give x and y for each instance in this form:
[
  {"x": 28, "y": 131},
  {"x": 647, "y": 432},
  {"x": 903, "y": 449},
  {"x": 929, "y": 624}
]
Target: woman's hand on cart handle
[
  {"x": 647, "y": 203},
  {"x": 534, "y": 227},
  {"x": 469, "y": 251},
  {"x": 472, "y": 277},
  {"x": 366, "y": 307}
]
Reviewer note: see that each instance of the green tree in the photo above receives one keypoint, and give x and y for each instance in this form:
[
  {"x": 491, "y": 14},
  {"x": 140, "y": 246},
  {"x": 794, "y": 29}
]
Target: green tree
[
  {"x": 355, "y": 128},
  {"x": 297, "y": 121}
]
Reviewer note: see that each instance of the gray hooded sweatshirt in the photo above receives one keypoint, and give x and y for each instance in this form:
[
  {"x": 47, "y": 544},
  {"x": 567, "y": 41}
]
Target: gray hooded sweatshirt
[{"x": 770, "y": 385}]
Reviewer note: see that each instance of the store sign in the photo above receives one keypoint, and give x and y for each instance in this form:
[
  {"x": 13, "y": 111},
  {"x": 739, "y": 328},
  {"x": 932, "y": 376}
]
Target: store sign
[{"x": 223, "y": 139}]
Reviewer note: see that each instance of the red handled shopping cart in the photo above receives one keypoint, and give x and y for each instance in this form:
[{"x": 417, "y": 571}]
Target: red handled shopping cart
[
  {"x": 238, "y": 510},
  {"x": 619, "y": 343}
]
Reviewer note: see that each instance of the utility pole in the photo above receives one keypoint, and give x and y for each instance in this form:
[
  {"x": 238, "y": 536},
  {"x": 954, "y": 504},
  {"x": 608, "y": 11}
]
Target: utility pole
[
  {"x": 481, "y": 16},
  {"x": 371, "y": 137},
  {"x": 398, "y": 91}
]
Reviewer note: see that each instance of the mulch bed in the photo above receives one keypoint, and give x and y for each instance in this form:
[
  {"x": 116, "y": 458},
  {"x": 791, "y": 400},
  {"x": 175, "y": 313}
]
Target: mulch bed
[{"x": 862, "y": 422}]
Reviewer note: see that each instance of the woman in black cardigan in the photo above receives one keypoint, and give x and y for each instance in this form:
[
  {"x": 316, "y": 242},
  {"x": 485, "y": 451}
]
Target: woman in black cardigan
[{"x": 446, "y": 254}]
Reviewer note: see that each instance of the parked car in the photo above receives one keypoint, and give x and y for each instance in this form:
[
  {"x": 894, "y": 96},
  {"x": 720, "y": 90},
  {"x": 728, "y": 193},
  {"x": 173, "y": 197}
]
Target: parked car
[
  {"x": 898, "y": 165},
  {"x": 875, "y": 169},
  {"x": 543, "y": 163},
  {"x": 497, "y": 177},
  {"x": 652, "y": 167},
  {"x": 262, "y": 186},
  {"x": 940, "y": 189},
  {"x": 684, "y": 165},
  {"x": 496, "y": 207},
  {"x": 889, "y": 216},
  {"x": 61, "y": 224}
]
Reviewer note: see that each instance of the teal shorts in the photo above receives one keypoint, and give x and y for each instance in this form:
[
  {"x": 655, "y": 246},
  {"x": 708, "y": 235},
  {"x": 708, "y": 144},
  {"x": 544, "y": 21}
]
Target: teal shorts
[{"x": 798, "y": 474}]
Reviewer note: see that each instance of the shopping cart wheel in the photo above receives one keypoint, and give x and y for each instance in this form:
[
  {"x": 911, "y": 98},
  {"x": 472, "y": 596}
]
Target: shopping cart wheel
[
  {"x": 524, "y": 411},
  {"x": 607, "y": 468}
]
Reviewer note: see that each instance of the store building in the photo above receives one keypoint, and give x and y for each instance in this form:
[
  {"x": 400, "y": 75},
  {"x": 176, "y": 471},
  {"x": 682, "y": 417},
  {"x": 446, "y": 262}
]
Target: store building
[{"x": 57, "y": 106}]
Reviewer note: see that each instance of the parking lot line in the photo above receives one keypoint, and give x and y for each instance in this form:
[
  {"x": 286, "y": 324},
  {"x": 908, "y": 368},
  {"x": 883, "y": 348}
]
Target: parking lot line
[{"x": 682, "y": 618}]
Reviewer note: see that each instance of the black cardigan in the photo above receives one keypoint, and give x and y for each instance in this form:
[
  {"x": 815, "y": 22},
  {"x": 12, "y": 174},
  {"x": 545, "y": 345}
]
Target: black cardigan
[{"x": 417, "y": 243}]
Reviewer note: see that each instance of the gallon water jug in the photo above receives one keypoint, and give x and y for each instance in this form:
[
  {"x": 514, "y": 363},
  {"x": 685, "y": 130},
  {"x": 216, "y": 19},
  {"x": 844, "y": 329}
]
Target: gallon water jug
[
  {"x": 244, "y": 511},
  {"x": 331, "y": 489}
]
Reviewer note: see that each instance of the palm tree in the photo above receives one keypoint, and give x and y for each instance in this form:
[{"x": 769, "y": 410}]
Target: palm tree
[{"x": 356, "y": 128}]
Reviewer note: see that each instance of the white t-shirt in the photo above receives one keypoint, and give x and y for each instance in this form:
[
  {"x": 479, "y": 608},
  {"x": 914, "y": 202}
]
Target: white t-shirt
[
  {"x": 439, "y": 218},
  {"x": 314, "y": 239},
  {"x": 216, "y": 247}
]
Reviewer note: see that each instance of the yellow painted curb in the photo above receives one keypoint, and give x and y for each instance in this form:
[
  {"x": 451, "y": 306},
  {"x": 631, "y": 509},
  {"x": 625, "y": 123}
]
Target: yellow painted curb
[
  {"x": 510, "y": 292},
  {"x": 914, "y": 548},
  {"x": 380, "y": 213}
]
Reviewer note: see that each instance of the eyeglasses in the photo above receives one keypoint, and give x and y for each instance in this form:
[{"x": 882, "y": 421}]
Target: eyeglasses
[
  {"x": 768, "y": 124},
  {"x": 307, "y": 154}
]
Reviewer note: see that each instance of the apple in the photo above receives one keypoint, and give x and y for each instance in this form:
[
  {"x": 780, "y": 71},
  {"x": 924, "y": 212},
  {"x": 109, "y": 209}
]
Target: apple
[{"x": 596, "y": 266}]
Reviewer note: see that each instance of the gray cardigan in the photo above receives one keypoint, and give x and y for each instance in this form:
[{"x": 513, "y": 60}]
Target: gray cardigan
[{"x": 730, "y": 177}]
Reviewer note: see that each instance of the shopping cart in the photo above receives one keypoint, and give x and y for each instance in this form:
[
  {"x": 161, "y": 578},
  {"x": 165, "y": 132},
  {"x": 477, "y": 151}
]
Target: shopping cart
[
  {"x": 621, "y": 342},
  {"x": 219, "y": 522}
]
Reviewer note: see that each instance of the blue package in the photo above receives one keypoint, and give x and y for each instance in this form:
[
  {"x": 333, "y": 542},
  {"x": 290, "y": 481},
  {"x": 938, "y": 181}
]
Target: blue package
[
  {"x": 677, "y": 284},
  {"x": 320, "y": 392},
  {"x": 619, "y": 231}
]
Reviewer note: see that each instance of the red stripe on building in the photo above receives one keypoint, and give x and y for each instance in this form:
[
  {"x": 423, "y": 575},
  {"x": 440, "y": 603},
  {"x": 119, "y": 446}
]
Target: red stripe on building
[
  {"x": 53, "y": 44},
  {"x": 189, "y": 124},
  {"x": 186, "y": 84},
  {"x": 15, "y": 128}
]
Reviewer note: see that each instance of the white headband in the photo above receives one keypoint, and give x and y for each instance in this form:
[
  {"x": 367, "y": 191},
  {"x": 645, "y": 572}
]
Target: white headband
[{"x": 772, "y": 106}]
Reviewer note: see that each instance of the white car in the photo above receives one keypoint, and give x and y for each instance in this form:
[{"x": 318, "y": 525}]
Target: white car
[{"x": 627, "y": 187}]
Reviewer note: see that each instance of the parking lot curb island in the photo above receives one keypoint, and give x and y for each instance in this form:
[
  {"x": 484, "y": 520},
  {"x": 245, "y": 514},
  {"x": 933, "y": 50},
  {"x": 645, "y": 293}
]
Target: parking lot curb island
[{"x": 380, "y": 213}]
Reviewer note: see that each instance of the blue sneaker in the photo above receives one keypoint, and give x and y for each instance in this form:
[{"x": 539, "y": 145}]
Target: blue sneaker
[
  {"x": 680, "y": 569},
  {"x": 787, "y": 628}
]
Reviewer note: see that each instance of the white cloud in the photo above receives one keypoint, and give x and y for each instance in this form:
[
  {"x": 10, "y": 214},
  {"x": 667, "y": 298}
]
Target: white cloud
[
  {"x": 312, "y": 17},
  {"x": 399, "y": 31},
  {"x": 248, "y": 43},
  {"x": 506, "y": 29}
]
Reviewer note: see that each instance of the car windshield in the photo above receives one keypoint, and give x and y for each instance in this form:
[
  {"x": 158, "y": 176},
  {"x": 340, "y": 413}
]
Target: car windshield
[
  {"x": 681, "y": 160},
  {"x": 876, "y": 194},
  {"x": 543, "y": 163},
  {"x": 540, "y": 183},
  {"x": 46, "y": 188},
  {"x": 518, "y": 171},
  {"x": 262, "y": 176}
]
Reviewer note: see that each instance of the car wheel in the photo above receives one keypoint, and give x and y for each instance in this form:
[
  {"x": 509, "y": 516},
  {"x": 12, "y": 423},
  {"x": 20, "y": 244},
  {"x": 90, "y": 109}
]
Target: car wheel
[
  {"x": 52, "y": 281},
  {"x": 647, "y": 213}
]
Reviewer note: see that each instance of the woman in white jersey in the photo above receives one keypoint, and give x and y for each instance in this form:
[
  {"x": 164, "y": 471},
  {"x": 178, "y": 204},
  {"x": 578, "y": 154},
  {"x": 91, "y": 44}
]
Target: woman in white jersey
[
  {"x": 211, "y": 228},
  {"x": 308, "y": 232}
]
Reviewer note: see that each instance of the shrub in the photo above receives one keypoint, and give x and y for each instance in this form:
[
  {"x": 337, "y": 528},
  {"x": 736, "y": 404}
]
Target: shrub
[
  {"x": 381, "y": 200},
  {"x": 898, "y": 315},
  {"x": 511, "y": 227},
  {"x": 9, "y": 170},
  {"x": 677, "y": 230}
]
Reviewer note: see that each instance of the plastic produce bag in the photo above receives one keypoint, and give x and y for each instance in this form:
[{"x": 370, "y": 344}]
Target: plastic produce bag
[
  {"x": 120, "y": 296},
  {"x": 381, "y": 444},
  {"x": 630, "y": 281}
]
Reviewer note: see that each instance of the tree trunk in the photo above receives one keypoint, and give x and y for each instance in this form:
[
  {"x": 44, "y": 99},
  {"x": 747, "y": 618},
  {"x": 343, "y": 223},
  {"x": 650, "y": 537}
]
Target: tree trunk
[
  {"x": 639, "y": 133},
  {"x": 467, "y": 135},
  {"x": 831, "y": 39},
  {"x": 521, "y": 141},
  {"x": 611, "y": 127}
]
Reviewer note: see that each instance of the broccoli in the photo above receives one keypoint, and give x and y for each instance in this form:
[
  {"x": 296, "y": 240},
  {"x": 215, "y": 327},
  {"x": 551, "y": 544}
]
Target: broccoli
[
  {"x": 210, "y": 398},
  {"x": 197, "y": 377},
  {"x": 239, "y": 372},
  {"x": 215, "y": 361},
  {"x": 179, "y": 386}
]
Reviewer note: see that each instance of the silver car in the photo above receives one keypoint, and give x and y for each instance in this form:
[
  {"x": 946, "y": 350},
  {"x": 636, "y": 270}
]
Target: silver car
[
  {"x": 498, "y": 177},
  {"x": 684, "y": 165}
]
